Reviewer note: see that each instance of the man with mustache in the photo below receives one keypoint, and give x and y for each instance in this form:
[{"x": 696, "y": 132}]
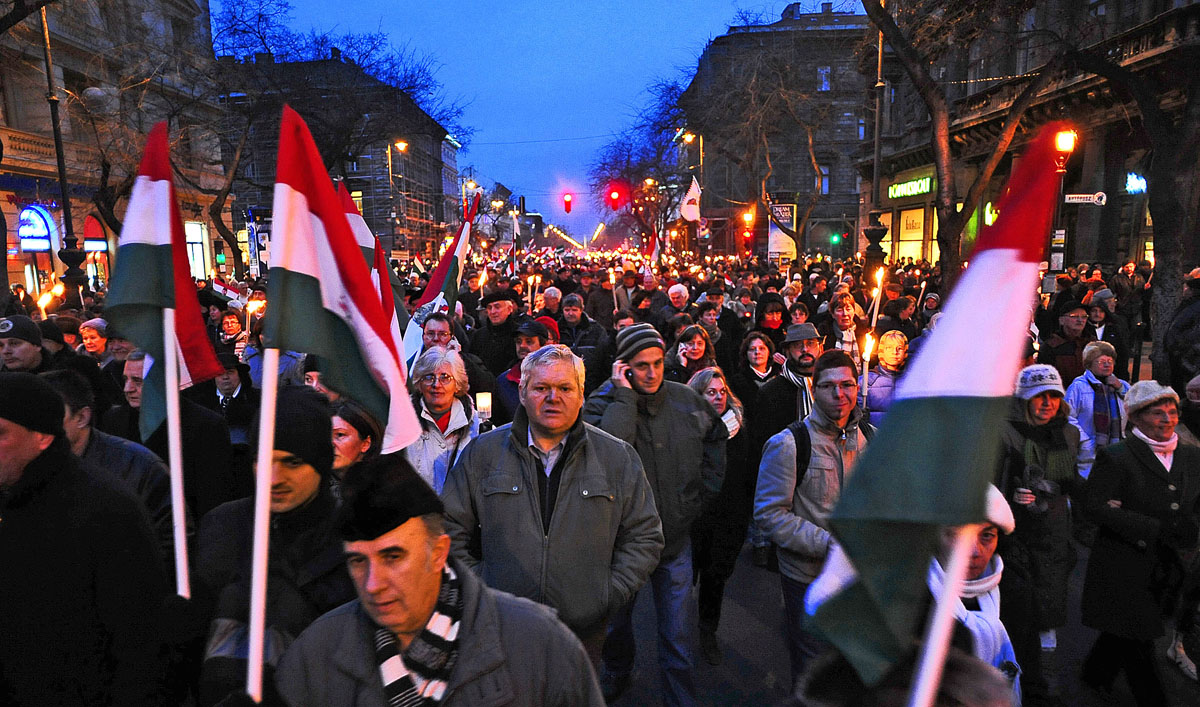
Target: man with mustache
[{"x": 788, "y": 396}]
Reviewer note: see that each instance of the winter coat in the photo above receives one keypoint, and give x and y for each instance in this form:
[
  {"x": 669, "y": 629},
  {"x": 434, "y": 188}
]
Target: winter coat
[
  {"x": 144, "y": 475},
  {"x": 1182, "y": 342},
  {"x": 589, "y": 341},
  {"x": 881, "y": 388},
  {"x": 81, "y": 589},
  {"x": 604, "y": 537},
  {"x": 599, "y": 307},
  {"x": 208, "y": 477},
  {"x": 1115, "y": 333},
  {"x": 496, "y": 345},
  {"x": 435, "y": 452},
  {"x": 306, "y": 576},
  {"x": 1080, "y": 400},
  {"x": 510, "y": 652},
  {"x": 1129, "y": 573},
  {"x": 1038, "y": 553},
  {"x": 681, "y": 442},
  {"x": 1065, "y": 354},
  {"x": 795, "y": 516},
  {"x": 777, "y": 406}
]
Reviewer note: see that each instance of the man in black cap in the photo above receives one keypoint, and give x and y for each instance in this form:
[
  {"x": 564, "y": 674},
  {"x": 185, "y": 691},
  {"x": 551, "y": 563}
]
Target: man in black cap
[
  {"x": 82, "y": 583},
  {"x": 22, "y": 349},
  {"x": 788, "y": 396},
  {"x": 587, "y": 339},
  {"x": 306, "y": 577},
  {"x": 424, "y": 629},
  {"x": 530, "y": 336},
  {"x": 234, "y": 397},
  {"x": 493, "y": 340},
  {"x": 681, "y": 441}
]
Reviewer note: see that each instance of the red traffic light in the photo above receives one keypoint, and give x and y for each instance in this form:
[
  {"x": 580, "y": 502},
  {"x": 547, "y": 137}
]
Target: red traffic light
[
  {"x": 567, "y": 202},
  {"x": 615, "y": 195}
]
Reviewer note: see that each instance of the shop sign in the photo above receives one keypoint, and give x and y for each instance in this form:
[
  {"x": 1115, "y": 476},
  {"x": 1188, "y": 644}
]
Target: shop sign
[
  {"x": 34, "y": 229},
  {"x": 913, "y": 187}
]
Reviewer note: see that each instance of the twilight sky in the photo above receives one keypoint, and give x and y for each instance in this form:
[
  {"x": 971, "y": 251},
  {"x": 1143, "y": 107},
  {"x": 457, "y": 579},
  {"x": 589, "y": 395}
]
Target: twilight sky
[{"x": 535, "y": 71}]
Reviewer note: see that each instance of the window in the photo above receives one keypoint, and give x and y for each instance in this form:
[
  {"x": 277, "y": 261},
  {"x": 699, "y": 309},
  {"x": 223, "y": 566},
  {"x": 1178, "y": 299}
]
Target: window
[
  {"x": 821, "y": 184},
  {"x": 356, "y": 197},
  {"x": 862, "y": 129},
  {"x": 196, "y": 233},
  {"x": 351, "y": 165},
  {"x": 910, "y": 236},
  {"x": 823, "y": 73}
]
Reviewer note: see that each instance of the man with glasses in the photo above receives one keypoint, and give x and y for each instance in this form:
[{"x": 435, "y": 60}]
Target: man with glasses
[
  {"x": 1063, "y": 349},
  {"x": 439, "y": 331},
  {"x": 800, "y": 479}
]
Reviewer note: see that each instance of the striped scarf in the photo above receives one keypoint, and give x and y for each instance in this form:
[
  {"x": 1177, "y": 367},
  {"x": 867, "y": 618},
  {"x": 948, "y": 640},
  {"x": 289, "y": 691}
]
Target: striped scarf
[{"x": 421, "y": 674}]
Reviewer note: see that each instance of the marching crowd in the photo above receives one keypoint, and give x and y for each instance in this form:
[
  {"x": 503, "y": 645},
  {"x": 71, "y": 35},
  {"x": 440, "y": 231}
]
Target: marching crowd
[{"x": 638, "y": 432}]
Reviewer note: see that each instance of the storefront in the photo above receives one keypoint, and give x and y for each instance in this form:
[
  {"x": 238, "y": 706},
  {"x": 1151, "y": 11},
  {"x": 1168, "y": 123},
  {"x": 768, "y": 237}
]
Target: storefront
[{"x": 911, "y": 218}]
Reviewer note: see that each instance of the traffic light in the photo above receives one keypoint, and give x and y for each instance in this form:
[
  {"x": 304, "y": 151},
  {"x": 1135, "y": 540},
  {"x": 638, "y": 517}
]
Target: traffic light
[
  {"x": 219, "y": 246},
  {"x": 615, "y": 195},
  {"x": 835, "y": 238},
  {"x": 567, "y": 202}
]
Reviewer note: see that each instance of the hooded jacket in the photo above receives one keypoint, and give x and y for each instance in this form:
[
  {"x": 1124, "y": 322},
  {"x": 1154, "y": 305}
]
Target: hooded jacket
[{"x": 604, "y": 536}]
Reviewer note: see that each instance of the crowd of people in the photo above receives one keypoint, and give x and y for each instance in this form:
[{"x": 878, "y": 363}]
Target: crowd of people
[{"x": 638, "y": 432}]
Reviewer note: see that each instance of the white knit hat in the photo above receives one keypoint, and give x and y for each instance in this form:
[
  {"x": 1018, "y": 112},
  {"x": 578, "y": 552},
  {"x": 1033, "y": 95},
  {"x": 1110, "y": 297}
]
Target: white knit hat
[
  {"x": 1143, "y": 394},
  {"x": 1037, "y": 379}
]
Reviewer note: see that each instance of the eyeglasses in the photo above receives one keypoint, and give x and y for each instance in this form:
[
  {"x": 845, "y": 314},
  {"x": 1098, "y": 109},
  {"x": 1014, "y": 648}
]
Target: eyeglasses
[
  {"x": 443, "y": 378},
  {"x": 848, "y": 387},
  {"x": 1075, "y": 317},
  {"x": 439, "y": 335}
]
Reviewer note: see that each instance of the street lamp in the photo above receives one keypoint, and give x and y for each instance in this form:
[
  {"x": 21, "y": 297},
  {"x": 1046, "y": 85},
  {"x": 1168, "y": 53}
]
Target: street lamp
[
  {"x": 401, "y": 146},
  {"x": 1064, "y": 144}
]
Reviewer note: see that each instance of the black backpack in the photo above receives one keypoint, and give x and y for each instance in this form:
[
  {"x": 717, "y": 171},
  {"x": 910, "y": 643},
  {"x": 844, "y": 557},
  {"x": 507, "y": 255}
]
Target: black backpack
[{"x": 804, "y": 444}]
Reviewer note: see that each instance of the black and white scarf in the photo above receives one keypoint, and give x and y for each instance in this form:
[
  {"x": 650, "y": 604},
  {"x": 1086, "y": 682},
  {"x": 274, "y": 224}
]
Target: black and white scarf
[{"x": 421, "y": 674}]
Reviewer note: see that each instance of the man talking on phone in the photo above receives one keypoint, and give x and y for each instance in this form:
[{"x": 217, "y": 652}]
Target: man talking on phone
[{"x": 681, "y": 442}]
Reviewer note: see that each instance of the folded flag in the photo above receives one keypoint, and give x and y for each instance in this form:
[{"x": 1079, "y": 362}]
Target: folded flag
[
  {"x": 935, "y": 453},
  {"x": 322, "y": 297},
  {"x": 152, "y": 274}
]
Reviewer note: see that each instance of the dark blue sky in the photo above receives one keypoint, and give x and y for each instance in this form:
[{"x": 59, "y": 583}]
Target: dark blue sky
[{"x": 534, "y": 71}]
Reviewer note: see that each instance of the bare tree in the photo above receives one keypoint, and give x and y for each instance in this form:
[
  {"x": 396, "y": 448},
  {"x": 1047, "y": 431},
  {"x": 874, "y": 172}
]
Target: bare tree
[{"x": 13, "y": 12}]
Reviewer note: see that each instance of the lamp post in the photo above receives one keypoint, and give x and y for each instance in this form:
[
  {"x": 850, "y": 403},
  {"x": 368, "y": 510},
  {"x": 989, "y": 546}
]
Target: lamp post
[
  {"x": 1064, "y": 144},
  {"x": 70, "y": 254},
  {"x": 401, "y": 147},
  {"x": 875, "y": 232}
]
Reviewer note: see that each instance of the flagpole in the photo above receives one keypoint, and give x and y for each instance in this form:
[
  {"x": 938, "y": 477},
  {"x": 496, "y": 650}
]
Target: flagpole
[
  {"x": 175, "y": 455},
  {"x": 937, "y": 638},
  {"x": 262, "y": 520}
]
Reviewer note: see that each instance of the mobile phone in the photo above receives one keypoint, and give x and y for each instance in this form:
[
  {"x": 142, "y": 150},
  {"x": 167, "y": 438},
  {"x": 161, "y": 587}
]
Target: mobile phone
[{"x": 629, "y": 375}]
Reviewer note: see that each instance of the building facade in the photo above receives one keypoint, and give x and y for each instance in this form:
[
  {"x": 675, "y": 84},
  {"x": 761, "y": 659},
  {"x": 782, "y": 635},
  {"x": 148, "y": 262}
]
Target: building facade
[
  {"x": 119, "y": 66},
  {"x": 824, "y": 88},
  {"x": 1151, "y": 37}
]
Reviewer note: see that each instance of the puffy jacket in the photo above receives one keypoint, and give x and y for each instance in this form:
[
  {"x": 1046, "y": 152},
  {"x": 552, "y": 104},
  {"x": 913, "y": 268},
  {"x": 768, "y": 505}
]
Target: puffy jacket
[
  {"x": 604, "y": 538},
  {"x": 1080, "y": 400},
  {"x": 681, "y": 442},
  {"x": 881, "y": 387},
  {"x": 144, "y": 475},
  {"x": 795, "y": 516},
  {"x": 510, "y": 652},
  {"x": 435, "y": 451}
]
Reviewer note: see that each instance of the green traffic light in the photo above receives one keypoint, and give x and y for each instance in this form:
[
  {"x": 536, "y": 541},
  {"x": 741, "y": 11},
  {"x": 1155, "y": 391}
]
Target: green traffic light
[
  {"x": 220, "y": 258},
  {"x": 835, "y": 238}
]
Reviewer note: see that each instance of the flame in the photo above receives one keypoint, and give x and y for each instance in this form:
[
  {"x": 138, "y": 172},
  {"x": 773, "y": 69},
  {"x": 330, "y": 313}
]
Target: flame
[{"x": 868, "y": 347}]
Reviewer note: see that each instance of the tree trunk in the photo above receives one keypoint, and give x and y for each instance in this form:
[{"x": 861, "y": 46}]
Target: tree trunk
[{"x": 217, "y": 207}]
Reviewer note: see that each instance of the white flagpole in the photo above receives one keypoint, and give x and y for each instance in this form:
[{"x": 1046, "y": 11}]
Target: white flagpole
[
  {"x": 937, "y": 637},
  {"x": 262, "y": 523},
  {"x": 175, "y": 455}
]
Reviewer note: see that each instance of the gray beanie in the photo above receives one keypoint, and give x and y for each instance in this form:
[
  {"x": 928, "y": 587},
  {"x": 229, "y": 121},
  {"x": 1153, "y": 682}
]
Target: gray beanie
[{"x": 632, "y": 340}]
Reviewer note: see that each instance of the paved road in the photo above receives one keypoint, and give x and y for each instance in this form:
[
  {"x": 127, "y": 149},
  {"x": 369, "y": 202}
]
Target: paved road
[{"x": 755, "y": 666}]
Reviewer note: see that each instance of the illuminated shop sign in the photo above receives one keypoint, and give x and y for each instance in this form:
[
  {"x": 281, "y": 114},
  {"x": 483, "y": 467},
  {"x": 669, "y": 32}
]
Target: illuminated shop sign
[
  {"x": 913, "y": 187},
  {"x": 35, "y": 229},
  {"x": 1135, "y": 183}
]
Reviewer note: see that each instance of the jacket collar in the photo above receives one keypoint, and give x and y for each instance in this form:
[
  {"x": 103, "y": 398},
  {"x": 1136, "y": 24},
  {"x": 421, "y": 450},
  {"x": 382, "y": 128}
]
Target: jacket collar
[
  {"x": 1142, "y": 452},
  {"x": 519, "y": 433},
  {"x": 826, "y": 425},
  {"x": 655, "y": 401}
]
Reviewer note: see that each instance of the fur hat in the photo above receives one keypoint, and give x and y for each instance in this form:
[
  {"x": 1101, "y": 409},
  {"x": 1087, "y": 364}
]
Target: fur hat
[
  {"x": 1037, "y": 379},
  {"x": 1143, "y": 394},
  {"x": 500, "y": 295},
  {"x": 1095, "y": 350}
]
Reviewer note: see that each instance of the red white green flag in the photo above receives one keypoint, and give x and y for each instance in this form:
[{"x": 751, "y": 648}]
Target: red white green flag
[{"x": 323, "y": 300}]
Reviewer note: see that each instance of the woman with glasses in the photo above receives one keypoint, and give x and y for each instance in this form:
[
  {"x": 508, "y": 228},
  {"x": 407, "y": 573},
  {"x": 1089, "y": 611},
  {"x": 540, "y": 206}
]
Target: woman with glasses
[
  {"x": 439, "y": 384},
  {"x": 691, "y": 353}
]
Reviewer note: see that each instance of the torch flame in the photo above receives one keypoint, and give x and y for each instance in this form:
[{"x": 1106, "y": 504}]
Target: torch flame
[{"x": 868, "y": 346}]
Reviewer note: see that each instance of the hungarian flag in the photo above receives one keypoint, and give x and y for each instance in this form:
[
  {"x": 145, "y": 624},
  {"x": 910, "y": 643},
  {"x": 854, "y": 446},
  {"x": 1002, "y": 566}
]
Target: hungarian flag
[
  {"x": 225, "y": 292},
  {"x": 151, "y": 275},
  {"x": 689, "y": 210},
  {"x": 392, "y": 293},
  {"x": 322, "y": 299},
  {"x": 442, "y": 291},
  {"x": 935, "y": 453}
]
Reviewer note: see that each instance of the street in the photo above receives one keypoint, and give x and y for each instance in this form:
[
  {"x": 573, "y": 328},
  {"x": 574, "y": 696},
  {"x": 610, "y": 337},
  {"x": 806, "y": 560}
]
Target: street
[{"x": 754, "y": 670}]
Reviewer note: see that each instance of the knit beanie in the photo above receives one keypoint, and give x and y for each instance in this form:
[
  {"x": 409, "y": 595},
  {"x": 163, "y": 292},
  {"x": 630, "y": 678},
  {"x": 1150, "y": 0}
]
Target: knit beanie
[
  {"x": 572, "y": 300},
  {"x": 19, "y": 326},
  {"x": 304, "y": 427},
  {"x": 1037, "y": 379},
  {"x": 99, "y": 325},
  {"x": 380, "y": 495},
  {"x": 1095, "y": 350},
  {"x": 634, "y": 339},
  {"x": 32, "y": 403},
  {"x": 1145, "y": 393},
  {"x": 51, "y": 332}
]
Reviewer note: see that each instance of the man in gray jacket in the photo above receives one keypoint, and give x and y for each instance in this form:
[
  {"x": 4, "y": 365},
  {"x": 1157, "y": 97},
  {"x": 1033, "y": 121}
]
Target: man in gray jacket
[
  {"x": 424, "y": 628},
  {"x": 681, "y": 442},
  {"x": 552, "y": 509},
  {"x": 794, "y": 511}
]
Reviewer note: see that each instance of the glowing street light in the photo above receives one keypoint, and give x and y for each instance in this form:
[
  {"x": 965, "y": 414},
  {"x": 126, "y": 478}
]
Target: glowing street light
[
  {"x": 401, "y": 146},
  {"x": 1065, "y": 140},
  {"x": 748, "y": 217},
  {"x": 689, "y": 138}
]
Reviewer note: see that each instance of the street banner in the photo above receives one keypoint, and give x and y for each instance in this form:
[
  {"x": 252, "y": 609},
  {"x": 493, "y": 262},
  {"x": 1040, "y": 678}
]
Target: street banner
[
  {"x": 930, "y": 463},
  {"x": 689, "y": 210},
  {"x": 779, "y": 244},
  {"x": 152, "y": 302}
]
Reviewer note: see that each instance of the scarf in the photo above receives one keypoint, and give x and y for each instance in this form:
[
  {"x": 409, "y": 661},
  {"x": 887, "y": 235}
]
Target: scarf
[
  {"x": 1165, "y": 451},
  {"x": 803, "y": 396},
  {"x": 420, "y": 675},
  {"x": 992, "y": 644},
  {"x": 1106, "y": 413}
]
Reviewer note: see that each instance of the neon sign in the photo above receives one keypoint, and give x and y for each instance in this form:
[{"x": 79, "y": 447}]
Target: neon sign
[
  {"x": 35, "y": 229},
  {"x": 913, "y": 187},
  {"x": 1135, "y": 183}
]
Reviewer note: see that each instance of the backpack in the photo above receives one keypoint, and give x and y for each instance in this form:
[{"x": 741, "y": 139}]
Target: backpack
[{"x": 804, "y": 445}]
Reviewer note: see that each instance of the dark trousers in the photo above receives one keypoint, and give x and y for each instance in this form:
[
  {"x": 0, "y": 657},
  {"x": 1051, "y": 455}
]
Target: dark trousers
[
  {"x": 1111, "y": 654},
  {"x": 716, "y": 543},
  {"x": 803, "y": 647}
]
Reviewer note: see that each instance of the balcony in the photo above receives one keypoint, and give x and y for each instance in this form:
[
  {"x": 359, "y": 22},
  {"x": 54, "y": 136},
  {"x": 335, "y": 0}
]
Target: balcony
[{"x": 31, "y": 152}]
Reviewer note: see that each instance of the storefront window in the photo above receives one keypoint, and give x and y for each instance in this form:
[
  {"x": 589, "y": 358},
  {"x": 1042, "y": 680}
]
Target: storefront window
[
  {"x": 196, "y": 234},
  {"x": 910, "y": 236}
]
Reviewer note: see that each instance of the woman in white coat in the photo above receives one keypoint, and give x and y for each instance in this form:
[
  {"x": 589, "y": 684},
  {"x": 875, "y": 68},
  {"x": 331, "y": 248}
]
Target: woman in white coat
[{"x": 448, "y": 421}]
